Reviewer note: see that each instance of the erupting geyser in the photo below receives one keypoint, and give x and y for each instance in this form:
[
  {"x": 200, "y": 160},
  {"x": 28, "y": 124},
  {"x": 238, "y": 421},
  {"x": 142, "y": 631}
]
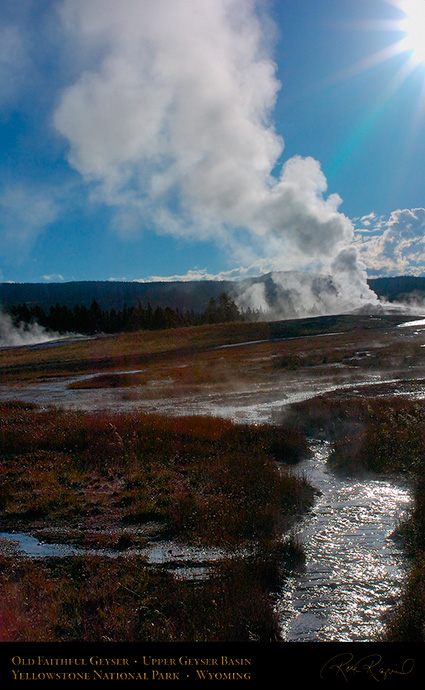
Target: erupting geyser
[{"x": 171, "y": 123}]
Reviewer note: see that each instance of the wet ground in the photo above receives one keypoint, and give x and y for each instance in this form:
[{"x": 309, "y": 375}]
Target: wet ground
[
  {"x": 252, "y": 380},
  {"x": 354, "y": 567},
  {"x": 186, "y": 562},
  {"x": 256, "y": 402}
]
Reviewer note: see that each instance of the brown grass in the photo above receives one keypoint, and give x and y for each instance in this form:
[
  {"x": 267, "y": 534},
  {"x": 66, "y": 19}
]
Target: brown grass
[
  {"x": 200, "y": 480},
  {"x": 92, "y": 599},
  {"x": 127, "y": 350},
  {"x": 188, "y": 356},
  {"x": 205, "y": 479}
]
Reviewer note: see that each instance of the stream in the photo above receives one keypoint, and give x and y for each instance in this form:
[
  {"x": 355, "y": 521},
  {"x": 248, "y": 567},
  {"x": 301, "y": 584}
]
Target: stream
[
  {"x": 187, "y": 562},
  {"x": 354, "y": 567}
]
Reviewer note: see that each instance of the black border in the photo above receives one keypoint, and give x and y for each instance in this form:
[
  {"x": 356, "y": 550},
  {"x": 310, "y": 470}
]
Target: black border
[{"x": 328, "y": 664}]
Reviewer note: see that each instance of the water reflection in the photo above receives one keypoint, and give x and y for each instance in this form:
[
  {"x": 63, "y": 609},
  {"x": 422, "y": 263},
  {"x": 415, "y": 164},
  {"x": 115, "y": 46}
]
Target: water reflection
[
  {"x": 186, "y": 561},
  {"x": 354, "y": 567}
]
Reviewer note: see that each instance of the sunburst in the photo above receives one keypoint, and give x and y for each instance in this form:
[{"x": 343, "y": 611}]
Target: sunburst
[
  {"x": 410, "y": 30},
  {"x": 406, "y": 52},
  {"x": 413, "y": 27}
]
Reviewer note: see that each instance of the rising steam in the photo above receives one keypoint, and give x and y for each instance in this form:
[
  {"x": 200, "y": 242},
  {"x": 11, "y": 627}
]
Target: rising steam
[
  {"x": 12, "y": 335},
  {"x": 170, "y": 121}
]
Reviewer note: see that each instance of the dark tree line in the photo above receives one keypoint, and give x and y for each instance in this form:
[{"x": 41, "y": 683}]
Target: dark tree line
[{"x": 94, "y": 319}]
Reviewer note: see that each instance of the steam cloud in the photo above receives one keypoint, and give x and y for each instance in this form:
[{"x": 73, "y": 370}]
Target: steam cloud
[
  {"x": 170, "y": 122},
  {"x": 12, "y": 335}
]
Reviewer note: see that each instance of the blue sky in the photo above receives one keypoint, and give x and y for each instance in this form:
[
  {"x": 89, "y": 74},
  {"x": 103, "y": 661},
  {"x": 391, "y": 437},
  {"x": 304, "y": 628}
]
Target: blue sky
[{"x": 154, "y": 139}]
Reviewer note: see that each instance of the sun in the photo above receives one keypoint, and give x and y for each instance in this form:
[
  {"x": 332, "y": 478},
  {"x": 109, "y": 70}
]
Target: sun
[
  {"x": 413, "y": 25},
  {"x": 409, "y": 28}
]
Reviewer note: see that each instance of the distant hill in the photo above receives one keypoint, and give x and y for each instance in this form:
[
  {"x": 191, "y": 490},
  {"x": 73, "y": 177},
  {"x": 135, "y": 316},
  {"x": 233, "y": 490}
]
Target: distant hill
[
  {"x": 182, "y": 295},
  {"x": 399, "y": 288},
  {"x": 185, "y": 296}
]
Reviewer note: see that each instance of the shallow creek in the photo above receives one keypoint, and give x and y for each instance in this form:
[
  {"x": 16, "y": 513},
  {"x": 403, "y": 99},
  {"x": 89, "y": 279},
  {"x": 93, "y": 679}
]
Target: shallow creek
[{"x": 354, "y": 567}]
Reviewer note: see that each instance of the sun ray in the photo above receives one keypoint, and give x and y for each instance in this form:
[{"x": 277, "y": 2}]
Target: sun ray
[
  {"x": 411, "y": 41},
  {"x": 409, "y": 52},
  {"x": 413, "y": 26}
]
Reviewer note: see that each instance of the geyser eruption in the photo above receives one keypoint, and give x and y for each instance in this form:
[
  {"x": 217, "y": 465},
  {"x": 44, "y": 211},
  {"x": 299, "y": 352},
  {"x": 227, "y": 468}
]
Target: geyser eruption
[
  {"x": 290, "y": 295},
  {"x": 170, "y": 121},
  {"x": 297, "y": 294}
]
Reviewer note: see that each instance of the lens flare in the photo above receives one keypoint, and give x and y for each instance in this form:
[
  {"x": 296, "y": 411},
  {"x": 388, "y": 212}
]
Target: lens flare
[{"x": 414, "y": 27}]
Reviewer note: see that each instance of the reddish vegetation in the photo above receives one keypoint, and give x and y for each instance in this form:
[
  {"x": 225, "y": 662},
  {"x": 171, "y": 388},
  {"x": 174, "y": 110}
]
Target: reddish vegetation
[
  {"x": 200, "y": 480},
  {"x": 115, "y": 480}
]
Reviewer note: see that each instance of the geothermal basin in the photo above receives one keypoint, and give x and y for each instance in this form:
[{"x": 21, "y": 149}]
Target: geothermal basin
[{"x": 354, "y": 566}]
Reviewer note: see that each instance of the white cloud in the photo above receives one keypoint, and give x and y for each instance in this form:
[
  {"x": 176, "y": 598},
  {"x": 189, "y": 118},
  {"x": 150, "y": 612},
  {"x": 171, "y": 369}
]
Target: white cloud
[
  {"x": 54, "y": 277},
  {"x": 399, "y": 248},
  {"x": 177, "y": 111},
  {"x": 199, "y": 274}
]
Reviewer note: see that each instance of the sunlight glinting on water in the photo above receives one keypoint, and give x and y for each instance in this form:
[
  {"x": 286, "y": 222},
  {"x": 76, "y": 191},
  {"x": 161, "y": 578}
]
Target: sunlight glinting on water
[{"x": 354, "y": 569}]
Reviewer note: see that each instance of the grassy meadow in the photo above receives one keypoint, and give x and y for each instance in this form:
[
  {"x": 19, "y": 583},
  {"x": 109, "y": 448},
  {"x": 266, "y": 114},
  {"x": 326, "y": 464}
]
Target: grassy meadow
[{"x": 122, "y": 481}]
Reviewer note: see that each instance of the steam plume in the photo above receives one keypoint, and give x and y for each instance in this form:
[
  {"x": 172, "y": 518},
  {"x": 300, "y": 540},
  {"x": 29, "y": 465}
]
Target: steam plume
[
  {"x": 170, "y": 121},
  {"x": 12, "y": 335}
]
